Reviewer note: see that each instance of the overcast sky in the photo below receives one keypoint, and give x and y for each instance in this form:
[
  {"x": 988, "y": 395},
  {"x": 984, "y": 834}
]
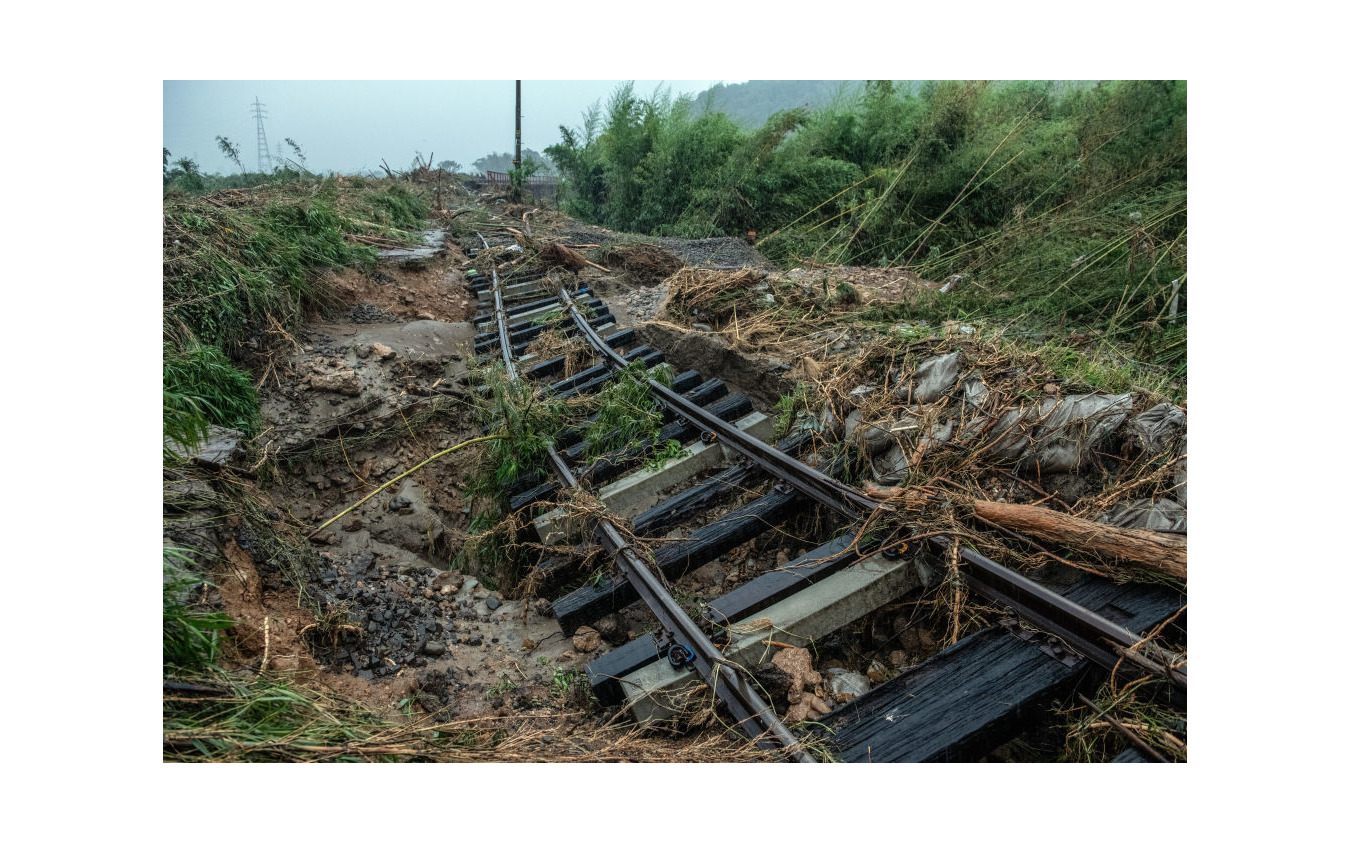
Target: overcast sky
[{"x": 350, "y": 126}]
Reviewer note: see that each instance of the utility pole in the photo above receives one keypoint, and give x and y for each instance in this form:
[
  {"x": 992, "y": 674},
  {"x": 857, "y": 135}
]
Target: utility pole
[
  {"x": 264, "y": 155},
  {"x": 517, "y": 161}
]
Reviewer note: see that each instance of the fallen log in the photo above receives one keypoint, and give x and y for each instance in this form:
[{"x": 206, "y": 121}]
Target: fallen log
[{"x": 1160, "y": 552}]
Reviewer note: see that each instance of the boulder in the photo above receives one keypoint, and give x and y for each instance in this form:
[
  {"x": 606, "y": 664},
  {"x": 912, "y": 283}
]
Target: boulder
[
  {"x": 1143, "y": 514},
  {"x": 1071, "y": 426},
  {"x": 936, "y": 376},
  {"x": 345, "y": 382},
  {"x": 892, "y": 468},
  {"x": 1158, "y": 428},
  {"x": 869, "y": 438}
]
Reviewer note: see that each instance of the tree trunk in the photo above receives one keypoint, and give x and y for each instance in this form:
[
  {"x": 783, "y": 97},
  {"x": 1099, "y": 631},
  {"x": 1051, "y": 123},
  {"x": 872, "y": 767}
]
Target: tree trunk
[{"x": 1160, "y": 552}]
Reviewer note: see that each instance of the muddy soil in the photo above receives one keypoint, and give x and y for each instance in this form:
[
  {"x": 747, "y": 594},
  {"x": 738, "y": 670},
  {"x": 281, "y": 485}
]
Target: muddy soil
[{"x": 354, "y": 400}]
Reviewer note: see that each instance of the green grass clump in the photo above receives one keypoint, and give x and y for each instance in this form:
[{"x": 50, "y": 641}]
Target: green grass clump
[
  {"x": 529, "y": 422},
  {"x": 191, "y": 635},
  {"x": 202, "y": 386},
  {"x": 628, "y": 416},
  {"x": 268, "y": 720},
  {"x": 237, "y": 270}
]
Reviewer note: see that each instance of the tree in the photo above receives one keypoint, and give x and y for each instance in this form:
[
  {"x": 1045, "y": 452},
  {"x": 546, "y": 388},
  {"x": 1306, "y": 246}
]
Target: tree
[
  {"x": 501, "y": 162},
  {"x": 187, "y": 175},
  {"x": 295, "y": 148},
  {"x": 231, "y": 151},
  {"x": 449, "y": 166},
  {"x": 520, "y": 176}
]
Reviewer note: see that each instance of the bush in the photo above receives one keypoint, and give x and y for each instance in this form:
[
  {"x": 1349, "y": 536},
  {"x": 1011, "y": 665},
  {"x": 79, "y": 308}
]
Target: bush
[
  {"x": 191, "y": 634},
  {"x": 1063, "y": 203},
  {"x": 201, "y": 387},
  {"x": 234, "y": 270}
]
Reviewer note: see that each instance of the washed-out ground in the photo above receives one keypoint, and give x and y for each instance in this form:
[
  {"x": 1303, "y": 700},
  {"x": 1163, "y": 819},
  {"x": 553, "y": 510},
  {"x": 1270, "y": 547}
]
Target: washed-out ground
[{"x": 388, "y": 607}]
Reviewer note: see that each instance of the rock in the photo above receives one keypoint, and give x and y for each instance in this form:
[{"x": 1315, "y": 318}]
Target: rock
[
  {"x": 345, "y": 382},
  {"x": 926, "y": 640},
  {"x": 899, "y": 659},
  {"x": 434, "y": 648},
  {"x": 611, "y": 630},
  {"x": 796, "y": 664},
  {"x": 710, "y": 575},
  {"x": 876, "y": 673},
  {"x": 973, "y": 389},
  {"x": 892, "y": 468},
  {"x": 1071, "y": 426},
  {"x": 381, "y": 351},
  {"x": 846, "y": 685},
  {"x": 869, "y": 438},
  {"x": 493, "y": 602},
  {"x": 807, "y": 707},
  {"x": 363, "y": 351},
  {"x": 1158, "y": 428},
  {"x": 1179, "y": 478},
  {"x": 1143, "y": 514},
  {"x": 586, "y": 640},
  {"x": 936, "y": 376},
  {"x": 469, "y": 586}
]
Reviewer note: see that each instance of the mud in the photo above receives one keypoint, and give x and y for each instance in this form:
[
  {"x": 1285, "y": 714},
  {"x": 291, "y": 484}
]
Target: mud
[
  {"x": 761, "y": 377},
  {"x": 377, "y": 614}
]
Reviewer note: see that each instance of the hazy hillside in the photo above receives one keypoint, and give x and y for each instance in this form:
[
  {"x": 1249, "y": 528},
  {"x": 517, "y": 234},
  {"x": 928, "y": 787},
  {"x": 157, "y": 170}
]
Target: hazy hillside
[{"x": 751, "y": 103}]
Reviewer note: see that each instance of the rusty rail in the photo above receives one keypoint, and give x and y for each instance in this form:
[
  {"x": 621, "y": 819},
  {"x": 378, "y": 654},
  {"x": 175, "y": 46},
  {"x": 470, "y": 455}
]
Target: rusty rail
[
  {"x": 753, "y": 715},
  {"x": 1097, "y": 638}
]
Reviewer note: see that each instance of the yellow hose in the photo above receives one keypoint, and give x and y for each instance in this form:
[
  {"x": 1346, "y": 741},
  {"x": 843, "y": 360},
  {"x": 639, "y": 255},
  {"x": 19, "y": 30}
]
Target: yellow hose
[{"x": 393, "y": 480}]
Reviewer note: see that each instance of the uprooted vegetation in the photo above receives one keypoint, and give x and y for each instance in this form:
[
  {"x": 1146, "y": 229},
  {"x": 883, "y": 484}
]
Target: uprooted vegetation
[
  {"x": 242, "y": 269},
  {"x": 1060, "y": 206},
  {"x": 1101, "y": 440},
  {"x": 943, "y": 418},
  {"x": 621, "y": 421}
]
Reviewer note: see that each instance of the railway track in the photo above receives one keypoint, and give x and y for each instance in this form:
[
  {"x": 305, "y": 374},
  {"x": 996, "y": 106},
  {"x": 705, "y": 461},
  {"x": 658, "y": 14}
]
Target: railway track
[{"x": 954, "y": 706}]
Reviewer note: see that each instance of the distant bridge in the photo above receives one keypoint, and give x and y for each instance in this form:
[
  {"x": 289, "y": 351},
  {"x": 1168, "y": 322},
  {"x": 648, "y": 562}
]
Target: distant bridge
[{"x": 543, "y": 187}]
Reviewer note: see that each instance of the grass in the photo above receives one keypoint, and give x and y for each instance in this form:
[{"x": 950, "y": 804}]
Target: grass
[
  {"x": 250, "y": 719},
  {"x": 786, "y": 410},
  {"x": 202, "y": 386},
  {"x": 191, "y": 633},
  {"x": 627, "y": 415},
  {"x": 242, "y": 267},
  {"x": 1138, "y": 707}
]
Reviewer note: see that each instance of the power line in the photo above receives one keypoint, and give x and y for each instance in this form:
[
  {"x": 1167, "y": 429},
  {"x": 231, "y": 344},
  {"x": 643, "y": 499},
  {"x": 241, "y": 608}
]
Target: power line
[{"x": 264, "y": 156}]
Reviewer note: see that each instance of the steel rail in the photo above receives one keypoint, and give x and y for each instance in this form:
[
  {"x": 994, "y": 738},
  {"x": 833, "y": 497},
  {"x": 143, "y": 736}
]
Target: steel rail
[
  {"x": 753, "y": 715},
  {"x": 815, "y": 484},
  {"x": 1095, "y": 637}
]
